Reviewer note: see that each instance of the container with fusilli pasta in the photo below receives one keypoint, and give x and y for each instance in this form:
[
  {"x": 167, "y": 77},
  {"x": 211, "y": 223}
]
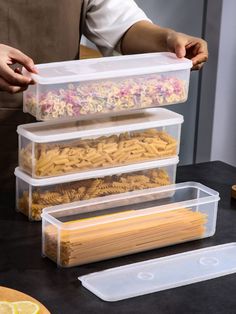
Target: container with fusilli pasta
[{"x": 32, "y": 195}]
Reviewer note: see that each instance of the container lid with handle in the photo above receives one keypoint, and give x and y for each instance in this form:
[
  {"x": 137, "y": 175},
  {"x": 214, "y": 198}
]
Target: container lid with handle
[
  {"x": 44, "y": 132},
  {"x": 89, "y": 174},
  {"x": 162, "y": 273},
  {"x": 110, "y": 67}
]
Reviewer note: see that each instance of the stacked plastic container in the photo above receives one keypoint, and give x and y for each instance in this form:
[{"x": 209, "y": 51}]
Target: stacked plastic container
[
  {"x": 106, "y": 151},
  {"x": 84, "y": 152},
  {"x": 111, "y": 86},
  {"x": 63, "y": 162}
]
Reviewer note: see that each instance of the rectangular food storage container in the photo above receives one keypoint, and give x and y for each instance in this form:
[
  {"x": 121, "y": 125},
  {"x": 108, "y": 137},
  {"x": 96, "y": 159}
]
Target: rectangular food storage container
[
  {"x": 48, "y": 149},
  {"x": 110, "y": 85},
  {"x": 32, "y": 195},
  {"x": 117, "y": 225}
]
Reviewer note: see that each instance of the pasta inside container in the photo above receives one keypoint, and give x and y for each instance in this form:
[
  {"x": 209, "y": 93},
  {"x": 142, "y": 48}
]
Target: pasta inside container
[
  {"x": 52, "y": 149},
  {"x": 95, "y": 230},
  {"x": 111, "y": 85},
  {"x": 32, "y": 195}
]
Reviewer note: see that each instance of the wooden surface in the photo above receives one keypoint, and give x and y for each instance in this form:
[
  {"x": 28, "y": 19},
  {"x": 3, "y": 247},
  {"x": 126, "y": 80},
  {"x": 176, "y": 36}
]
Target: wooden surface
[
  {"x": 233, "y": 191},
  {"x": 87, "y": 53},
  {"x": 11, "y": 295}
]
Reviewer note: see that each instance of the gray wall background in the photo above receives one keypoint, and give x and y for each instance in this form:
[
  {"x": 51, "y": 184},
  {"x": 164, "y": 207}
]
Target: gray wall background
[
  {"x": 224, "y": 123},
  {"x": 209, "y": 129},
  {"x": 183, "y": 16}
]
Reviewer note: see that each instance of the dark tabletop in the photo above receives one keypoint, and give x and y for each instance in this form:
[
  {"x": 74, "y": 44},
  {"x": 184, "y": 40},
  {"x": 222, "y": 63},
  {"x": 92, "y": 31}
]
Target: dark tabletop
[{"x": 23, "y": 268}]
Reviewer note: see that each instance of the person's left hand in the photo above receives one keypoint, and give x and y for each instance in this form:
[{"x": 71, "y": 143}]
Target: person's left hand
[{"x": 190, "y": 47}]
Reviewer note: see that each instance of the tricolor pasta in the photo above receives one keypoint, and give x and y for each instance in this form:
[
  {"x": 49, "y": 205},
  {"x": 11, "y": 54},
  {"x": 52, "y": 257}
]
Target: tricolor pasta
[{"x": 105, "y": 96}]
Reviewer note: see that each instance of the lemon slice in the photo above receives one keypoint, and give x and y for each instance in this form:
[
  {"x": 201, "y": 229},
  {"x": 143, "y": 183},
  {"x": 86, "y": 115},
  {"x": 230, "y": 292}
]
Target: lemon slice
[
  {"x": 26, "y": 307},
  {"x": 7, "y": 308}
]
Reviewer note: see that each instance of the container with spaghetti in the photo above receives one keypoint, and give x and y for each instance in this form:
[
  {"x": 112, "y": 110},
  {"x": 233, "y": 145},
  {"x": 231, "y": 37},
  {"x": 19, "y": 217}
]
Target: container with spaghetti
[{"x": 117, "y": 225}]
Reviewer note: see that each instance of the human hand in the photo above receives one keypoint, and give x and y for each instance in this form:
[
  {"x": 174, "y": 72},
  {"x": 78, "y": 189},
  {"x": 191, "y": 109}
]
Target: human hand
[
  {"x": 193, "y": 48},
  {"x": 13, "y": 81},
  {"x": 145, "y": 36}
]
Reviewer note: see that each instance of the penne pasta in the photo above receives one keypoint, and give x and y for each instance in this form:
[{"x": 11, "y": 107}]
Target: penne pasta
[{"x": 53, "y": 159}]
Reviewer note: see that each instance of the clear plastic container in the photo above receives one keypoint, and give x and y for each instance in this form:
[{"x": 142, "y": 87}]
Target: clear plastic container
[
  {"x": 32, "y": 195},
  {"x": 48, "y": 149},
  {"x": 128, "y": 223},
  {"x": 162, "y": 273},
  {"x": 74, "y": 89}
]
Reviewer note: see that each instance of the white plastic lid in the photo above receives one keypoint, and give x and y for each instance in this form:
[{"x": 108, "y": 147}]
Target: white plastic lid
[
  {"x": 96, "y": 173},
  {"x": 44, "y": 132},
  {"x": 162, "y": 273},
  {"x": 109, "y": 67}
]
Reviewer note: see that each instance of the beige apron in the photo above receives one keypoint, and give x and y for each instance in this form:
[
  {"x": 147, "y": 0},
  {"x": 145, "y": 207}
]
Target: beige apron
[{"x": 47, "y": 31}]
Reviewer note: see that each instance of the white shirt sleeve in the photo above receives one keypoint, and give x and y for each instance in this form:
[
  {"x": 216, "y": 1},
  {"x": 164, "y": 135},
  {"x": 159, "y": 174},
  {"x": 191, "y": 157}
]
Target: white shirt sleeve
[{"x": 106, "y": 21}]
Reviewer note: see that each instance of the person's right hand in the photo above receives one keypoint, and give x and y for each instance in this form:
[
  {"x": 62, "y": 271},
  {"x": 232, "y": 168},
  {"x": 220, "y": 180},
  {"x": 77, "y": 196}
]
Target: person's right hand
[{"x": 13, "y": 81}]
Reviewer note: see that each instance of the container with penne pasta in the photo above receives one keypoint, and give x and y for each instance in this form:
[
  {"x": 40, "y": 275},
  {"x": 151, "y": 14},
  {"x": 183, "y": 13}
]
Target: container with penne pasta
[
  {"x": 88, "y": 88},
  {"x": 32, "y": 195},
  {"x": 48, "y": 149},
  {"x": 99, "y": 229}
]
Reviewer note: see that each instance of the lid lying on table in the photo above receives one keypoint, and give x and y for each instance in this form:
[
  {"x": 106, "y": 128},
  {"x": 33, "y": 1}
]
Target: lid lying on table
[
  {"x": 43, "y": 132},
  {"x": 162, "y": 273},
  {"x": 109, "y": 67}
]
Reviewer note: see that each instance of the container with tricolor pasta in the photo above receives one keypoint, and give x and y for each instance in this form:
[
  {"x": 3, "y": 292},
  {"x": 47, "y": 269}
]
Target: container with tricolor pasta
[
  {"x": 48, "y": 149},
  {"x": 111, "y": 85},
  {"x": 32, "y": 195},
  {"x": 118, "y": 225}
]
